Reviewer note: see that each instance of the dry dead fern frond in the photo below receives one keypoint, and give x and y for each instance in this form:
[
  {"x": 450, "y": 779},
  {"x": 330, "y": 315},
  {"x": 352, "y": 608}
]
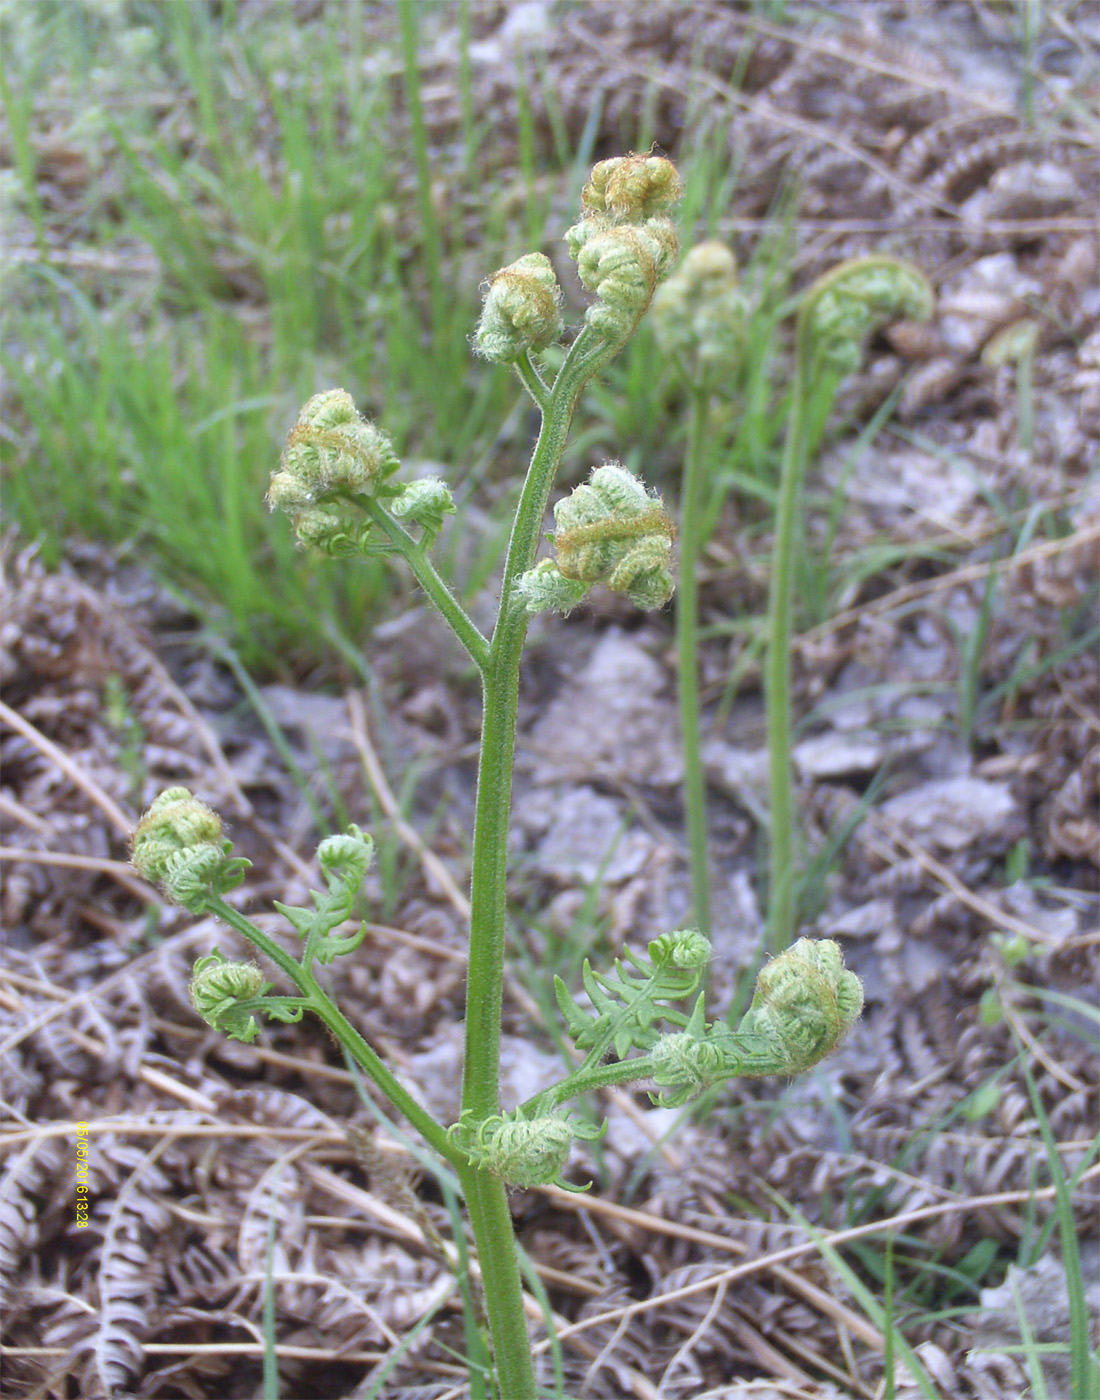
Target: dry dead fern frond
[
  {"x": 63, "y": 1319},
  {"x": 273, "y": 1108},
  {"x": 1072, "y": 827},
  {"x": 163, "y": 976},
  {"x": 32, "y": 1173},
  {"x": 202, "y": 1270},
  {"x": 707, "y": 1330},
  {"x": 24, "y": 1080},
  {"x": 431, "y": 1391},
  {"x": 273, "y": 1223},
  {"x": 576, "y": 1257},
  {"x": 620, "y": 1347},
  {"x": 131, "y": 1274}
]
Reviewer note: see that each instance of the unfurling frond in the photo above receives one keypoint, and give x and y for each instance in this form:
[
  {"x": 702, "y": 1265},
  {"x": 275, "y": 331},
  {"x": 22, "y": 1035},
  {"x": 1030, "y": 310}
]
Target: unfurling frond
[
  {"x": 521, "y": 1150},
  {"x": 804, "y": 1004},
  {"x": 853, "y": 300},
  {"x": 522, "y": 310},
  {"x": 699, "y": 316},
  {"x": 629, "y": 1002}
]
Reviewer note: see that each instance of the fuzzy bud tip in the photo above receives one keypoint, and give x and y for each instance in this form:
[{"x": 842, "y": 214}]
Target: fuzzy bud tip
[
  {"x": 174, "y": 822},
  {"x": 331, "y": 452},
  {"x": 632, "y": 187},
  {"x": 804, "y": 1004},
  {"x": 523, "y": 1151},
  {"x": 684, "y": 948},
  {"x": 218, "y": 986},
  {"x": 699, "y": 314},
  {"x": 610, "y": 530},
  {"x": 545, "y": 588},
  {"x": 855, "y": 299},
  {"x": 522, "y": 310}
]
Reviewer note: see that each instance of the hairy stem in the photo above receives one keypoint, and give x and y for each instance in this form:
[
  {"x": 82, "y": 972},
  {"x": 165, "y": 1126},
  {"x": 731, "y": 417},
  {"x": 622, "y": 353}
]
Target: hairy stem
[
  {"x": 695, "y": 792},
  {"x": 446, "y": 604},
  {"x": 485, "y": 1194},
  {"x": 368, "y": 1060},
  {"x": 533, "y": 382},
  {"x": 488, "y": 894},
  {"x": 491, "y": 1223},
  {"x": 587, "y": 1079},
  {"x": 287, "y": 965}
]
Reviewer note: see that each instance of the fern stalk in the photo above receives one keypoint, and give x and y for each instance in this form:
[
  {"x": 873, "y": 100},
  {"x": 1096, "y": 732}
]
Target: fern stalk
[
  {"x": 485, "y": 1194},
  {"x": 777, "y": 684},
  {"x": 838, "y": 312}
]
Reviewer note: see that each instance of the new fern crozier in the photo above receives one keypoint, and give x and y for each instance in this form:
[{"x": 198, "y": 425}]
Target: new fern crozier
[
  {"x": 699, "y": 317},
  {"x": 610, "y": 530},
  {"x": 523, "y": 1150},
  {"x": 522, "y": 310},
  {"x": 836, "y": 316},
  {"x": 337, "y": 482}
]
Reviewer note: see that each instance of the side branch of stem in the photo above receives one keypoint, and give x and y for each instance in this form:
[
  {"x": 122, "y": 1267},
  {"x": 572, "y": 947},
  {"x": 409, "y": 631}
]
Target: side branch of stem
[
  {"x": 446, "y": 604},
  {"x": 586, "y": 1080},
  {"x": 317, "y": 1000},
  {"x": 533, "y": 381}
]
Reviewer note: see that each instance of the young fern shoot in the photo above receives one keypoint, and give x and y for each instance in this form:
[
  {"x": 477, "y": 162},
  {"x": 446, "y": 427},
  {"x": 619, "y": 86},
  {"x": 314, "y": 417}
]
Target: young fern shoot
[
  {"x": 336, "y": 482},
  {"x": 837, "y": 315}
]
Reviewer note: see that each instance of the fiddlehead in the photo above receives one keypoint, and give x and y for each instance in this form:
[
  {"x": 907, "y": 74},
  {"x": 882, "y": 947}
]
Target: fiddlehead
[
  {"x": 610, "y": 530},
  {"x": 699, "y": 316}
]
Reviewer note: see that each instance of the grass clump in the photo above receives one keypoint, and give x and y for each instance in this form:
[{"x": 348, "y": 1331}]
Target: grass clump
[{"x": 241, "y": 227}]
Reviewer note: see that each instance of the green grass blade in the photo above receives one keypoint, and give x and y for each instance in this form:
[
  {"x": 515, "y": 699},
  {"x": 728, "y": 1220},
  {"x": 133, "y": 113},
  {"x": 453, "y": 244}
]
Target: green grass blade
[
  {"x": 478, "y": 1360},
  {"x": 271, "y": 1357},
  {"x": 866, "y": 1299},
  {"x": 1030, "y": 1348},
  {"x": 1083, "y": 1366}
]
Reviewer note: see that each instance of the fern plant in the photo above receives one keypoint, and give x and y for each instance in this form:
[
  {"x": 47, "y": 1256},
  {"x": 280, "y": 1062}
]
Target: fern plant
[
  {"x": 700, "y": 316},
  {"x": 338, "y": 483},
  {"x": 836, "y": 316}
]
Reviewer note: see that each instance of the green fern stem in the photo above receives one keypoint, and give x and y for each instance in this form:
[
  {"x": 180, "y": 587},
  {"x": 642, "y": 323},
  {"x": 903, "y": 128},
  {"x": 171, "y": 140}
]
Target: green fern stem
[
  {"x": 494, "y": 1235},
  {"x": 424, "y": 571},
  {"x": 687, "y": 650},
  {"x": 837, "y": 315},
  {"x": 486, "y": 1195},
  {"x": 587, "y": 1079},
  {"x": 488, "y": 891}
]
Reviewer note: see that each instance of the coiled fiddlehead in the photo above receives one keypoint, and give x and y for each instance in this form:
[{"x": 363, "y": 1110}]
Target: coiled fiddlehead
[
  {"x": 699, "y": 316},
  {"x": 625, "y": 243},
  {"x": 851, "y": 301},
  {"x": 522, "y": 310},
  {"x": 524, "y": 1150},
  {"x": 610, "y": 530}
]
